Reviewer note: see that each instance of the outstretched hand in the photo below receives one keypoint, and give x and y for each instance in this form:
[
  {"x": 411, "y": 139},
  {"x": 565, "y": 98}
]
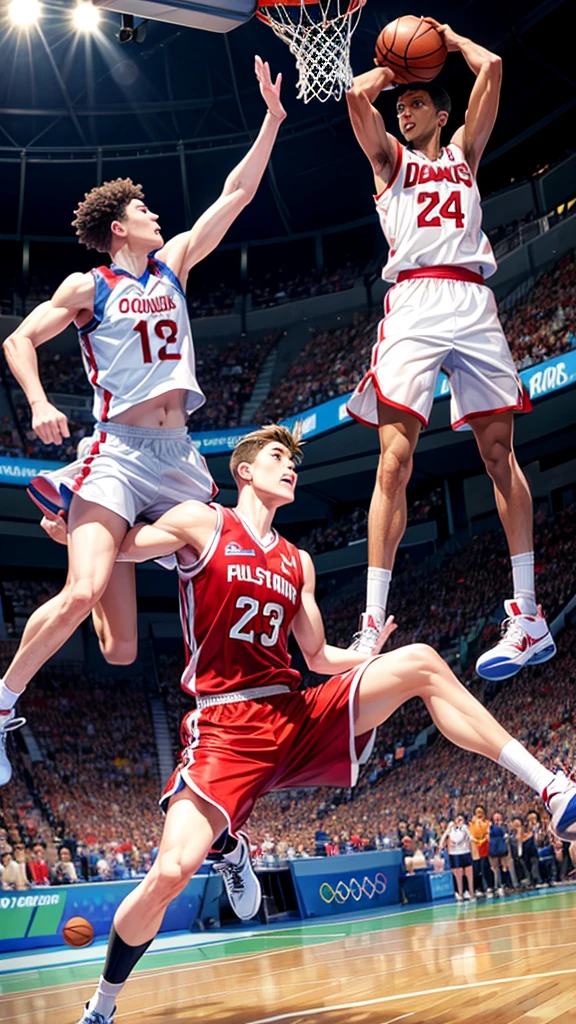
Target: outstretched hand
[
  {"x": 270, "y": 90},
  {"x": 389, "y": 627}
]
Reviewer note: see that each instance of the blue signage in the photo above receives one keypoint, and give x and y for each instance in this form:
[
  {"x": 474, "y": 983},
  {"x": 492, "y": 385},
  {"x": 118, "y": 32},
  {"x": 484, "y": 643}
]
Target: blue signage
[
  {"x": 34, "y": 919},
  {"x": 344, "y": 885},
  {"x": 543, "y": 379}
]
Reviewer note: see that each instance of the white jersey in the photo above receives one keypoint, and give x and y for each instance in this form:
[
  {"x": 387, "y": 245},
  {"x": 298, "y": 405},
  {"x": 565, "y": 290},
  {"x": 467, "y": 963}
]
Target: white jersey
[
  {"x": 138, "y": 344},
  {"x": 431, "y": 216}
]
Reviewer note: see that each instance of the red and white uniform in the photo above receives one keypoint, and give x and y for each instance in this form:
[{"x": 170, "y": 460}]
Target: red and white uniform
[
  {"x": 137, "y": 346},
  {"x": 253, "y": 729},
  {"x": 439, "y": 314}
]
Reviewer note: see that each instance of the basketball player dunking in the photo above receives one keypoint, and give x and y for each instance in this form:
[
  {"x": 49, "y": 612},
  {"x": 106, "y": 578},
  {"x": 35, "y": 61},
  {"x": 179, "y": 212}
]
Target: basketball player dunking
[
  {"x": 441, "y": 314},
  {"x": 137, "y": 349},
  {"x": 253, "y": 729}
]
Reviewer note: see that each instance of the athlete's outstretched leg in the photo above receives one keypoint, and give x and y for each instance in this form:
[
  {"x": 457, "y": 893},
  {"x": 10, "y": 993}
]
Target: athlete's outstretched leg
[
  {"x": 398, "y": 432},
  {"x": 190, "y": 828},
  {"x": 418, "y": 671},
  {"x": 95, "y": 534}
]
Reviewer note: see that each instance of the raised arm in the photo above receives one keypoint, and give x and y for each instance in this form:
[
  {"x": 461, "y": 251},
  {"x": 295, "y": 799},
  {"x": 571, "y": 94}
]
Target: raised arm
[
  {"x": 309, "y": 632},
  {"x": 184, "y": 251},
  {"x": 368, "y": 124},
  {"x": 190, "y": 524},
  {"x": 480, "y": 118},
  {"x": 74, "y": 297}
]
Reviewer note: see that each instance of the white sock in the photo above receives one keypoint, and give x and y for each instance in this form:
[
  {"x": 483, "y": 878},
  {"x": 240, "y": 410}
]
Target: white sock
[
  {"x": 236, "y": 855},
  {"x": 517, "y": 759},
  {"x": 105, "y": 996},
  {"x": 7, "y": 697},
  {"x": 523, "y": 577},
  {"x": 377, "y": 593}
]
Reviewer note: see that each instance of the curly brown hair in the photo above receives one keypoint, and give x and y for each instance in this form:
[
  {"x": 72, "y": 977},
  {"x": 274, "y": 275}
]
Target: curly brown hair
[
  {"x": 100, "y": 207},
  {"x": 247, "y": 449}
]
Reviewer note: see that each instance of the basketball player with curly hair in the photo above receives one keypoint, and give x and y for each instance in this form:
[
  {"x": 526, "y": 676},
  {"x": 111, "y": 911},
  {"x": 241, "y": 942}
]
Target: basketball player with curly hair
[
  {"x": 440, "y": 314},
  {"x": 137, "y": 349}
]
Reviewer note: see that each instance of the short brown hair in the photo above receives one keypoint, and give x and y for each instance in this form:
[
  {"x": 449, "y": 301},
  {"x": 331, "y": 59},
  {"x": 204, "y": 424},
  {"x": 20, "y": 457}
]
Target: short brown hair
[
  {"x": 100, "y": 207},
  {"x": 247, "y": 449}
]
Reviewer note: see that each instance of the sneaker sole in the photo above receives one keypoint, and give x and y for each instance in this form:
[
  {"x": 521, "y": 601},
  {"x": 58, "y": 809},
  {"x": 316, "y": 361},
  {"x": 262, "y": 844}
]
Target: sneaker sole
[{"x": 497, "y": 668}]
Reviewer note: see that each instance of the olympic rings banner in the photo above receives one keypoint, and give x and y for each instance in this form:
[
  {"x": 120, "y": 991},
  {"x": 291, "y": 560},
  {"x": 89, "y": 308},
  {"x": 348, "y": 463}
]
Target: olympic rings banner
[{"x": 344, "y": 885}]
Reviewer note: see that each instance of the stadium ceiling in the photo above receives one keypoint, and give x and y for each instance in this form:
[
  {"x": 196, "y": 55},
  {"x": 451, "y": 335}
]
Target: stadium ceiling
[{"x": 177, "y": 110}]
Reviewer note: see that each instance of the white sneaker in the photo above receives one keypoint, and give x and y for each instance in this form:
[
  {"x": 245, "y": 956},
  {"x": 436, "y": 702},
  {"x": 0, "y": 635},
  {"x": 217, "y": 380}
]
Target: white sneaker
[
  {"x": 466, "y": 895},
  {"x": 560, "y": 800},
  {"x": 500, "y": 891},
  {"x": 457, "y": 897},
  {"x": 7, "y": 724},
  {"x": 489, "y": 894},
  {"x": 93, "y": 1017},
  {"x": 525, "y": 640},
  {"x": 365, "y": 640},
  {"x": 242, "y": 887}
]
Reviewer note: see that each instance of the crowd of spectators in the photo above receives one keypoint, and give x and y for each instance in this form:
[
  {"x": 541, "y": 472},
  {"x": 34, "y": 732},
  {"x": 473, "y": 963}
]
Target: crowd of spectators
[
  {"x": 350, "y": 525},
  {"x": 276, "y": 288},
  {"x": 540, "y": 326},
  {"x": 20, "y": 597},
  {"x": 227, "y": 376}
]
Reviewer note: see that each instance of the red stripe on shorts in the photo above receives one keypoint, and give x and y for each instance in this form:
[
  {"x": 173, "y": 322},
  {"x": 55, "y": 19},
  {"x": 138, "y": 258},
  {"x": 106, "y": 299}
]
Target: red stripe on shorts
[{"x": 87, "y": 463}]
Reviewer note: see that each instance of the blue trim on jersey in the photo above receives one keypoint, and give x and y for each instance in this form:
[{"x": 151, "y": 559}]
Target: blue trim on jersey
[
  {"x": 167, "y": 272},
  {"x": 101, "y": 293},
  {"x": 120, "y": 272}
]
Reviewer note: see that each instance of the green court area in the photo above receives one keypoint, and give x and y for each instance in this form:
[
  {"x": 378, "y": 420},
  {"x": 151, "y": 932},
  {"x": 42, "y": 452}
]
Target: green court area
[{"x": 270, "y": 939}]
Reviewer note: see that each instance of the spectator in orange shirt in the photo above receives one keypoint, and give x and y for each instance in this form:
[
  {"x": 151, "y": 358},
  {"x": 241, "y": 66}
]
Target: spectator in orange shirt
[{"x": 480, "y": 834}]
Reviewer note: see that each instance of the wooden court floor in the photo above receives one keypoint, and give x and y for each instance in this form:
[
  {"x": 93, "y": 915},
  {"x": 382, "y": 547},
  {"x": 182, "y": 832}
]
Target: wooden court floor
[{"x": 502, "y": 962}]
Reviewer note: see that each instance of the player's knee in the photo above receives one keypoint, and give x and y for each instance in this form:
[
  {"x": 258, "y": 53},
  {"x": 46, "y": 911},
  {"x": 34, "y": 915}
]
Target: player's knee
[
  {"x": 497, "y": 459},
  {"x": 425, "y": 661},
  {"x": 167, "y": 880},
  {"x": 395, "y": 468},
  {"x": 118, "y": 652},
  {"x": 79, "y": 598}
]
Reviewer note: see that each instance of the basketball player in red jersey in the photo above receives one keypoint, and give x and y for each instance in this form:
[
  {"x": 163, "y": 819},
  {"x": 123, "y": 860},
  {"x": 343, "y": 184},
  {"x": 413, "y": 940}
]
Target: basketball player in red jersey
[
  {"x": 136, "y": 343},
  {"x": 253, "y": 729},
  {"x": 441, "y": 314}
]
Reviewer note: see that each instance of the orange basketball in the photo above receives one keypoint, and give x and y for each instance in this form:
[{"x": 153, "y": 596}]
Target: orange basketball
[
  {"x": 78, "y": 932},
  {"x": 413, "y": 48}
]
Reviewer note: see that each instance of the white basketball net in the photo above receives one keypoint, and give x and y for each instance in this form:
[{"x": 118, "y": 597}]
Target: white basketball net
[{"x": 318, "y": 36}]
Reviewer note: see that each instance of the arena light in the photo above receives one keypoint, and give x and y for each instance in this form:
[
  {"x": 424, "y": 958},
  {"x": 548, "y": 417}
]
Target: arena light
[
  {"x": 24, "y": 12},
  {"x": 86, "y": 16}
]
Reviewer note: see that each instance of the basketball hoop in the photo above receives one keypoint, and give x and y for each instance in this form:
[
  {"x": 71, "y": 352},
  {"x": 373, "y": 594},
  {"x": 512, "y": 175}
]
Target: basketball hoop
[{"x": 318, "y": 35}]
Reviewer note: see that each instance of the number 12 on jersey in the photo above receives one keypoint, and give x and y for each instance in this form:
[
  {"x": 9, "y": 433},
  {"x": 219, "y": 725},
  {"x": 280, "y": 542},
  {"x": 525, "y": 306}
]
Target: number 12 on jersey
[{"x": 271, "y": 611}]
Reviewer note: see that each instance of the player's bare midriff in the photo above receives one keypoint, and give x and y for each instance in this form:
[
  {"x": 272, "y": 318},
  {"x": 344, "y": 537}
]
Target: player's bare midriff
[{"x": 167, "y": 410}]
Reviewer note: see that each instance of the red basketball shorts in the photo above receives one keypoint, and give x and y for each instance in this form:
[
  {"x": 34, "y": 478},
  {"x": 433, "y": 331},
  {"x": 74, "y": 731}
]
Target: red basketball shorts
[{"x": 233, "y": 753}]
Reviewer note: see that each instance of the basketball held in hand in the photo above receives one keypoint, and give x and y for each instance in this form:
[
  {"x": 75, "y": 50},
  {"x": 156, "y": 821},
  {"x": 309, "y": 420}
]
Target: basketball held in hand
[{"x": 413, "y": 48}]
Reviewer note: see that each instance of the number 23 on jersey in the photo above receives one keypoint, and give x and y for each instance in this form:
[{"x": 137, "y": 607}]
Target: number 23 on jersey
[{"x": 273, "y": 614}]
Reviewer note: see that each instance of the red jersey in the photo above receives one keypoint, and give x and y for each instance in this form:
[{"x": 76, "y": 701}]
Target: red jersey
[{"x": 237, "y": 603}]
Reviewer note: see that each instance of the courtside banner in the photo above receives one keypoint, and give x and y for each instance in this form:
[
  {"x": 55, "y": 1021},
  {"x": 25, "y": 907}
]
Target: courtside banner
[
  {"x": 347, "y": 884},
  {"x": 543, "y": 379},
  {"x": 32, "y": 919}
]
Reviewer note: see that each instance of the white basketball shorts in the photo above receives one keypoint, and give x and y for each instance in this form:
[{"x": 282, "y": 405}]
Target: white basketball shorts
[
  {"x": 136, "y": 472},
  {"x": 432, "y": 323}
]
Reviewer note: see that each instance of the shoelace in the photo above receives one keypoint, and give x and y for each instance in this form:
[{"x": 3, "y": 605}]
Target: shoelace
[
  {"x": 368, "y": 633},
  {"x": 511, "y": 630},
  {"x": 233, "y": 875}
]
